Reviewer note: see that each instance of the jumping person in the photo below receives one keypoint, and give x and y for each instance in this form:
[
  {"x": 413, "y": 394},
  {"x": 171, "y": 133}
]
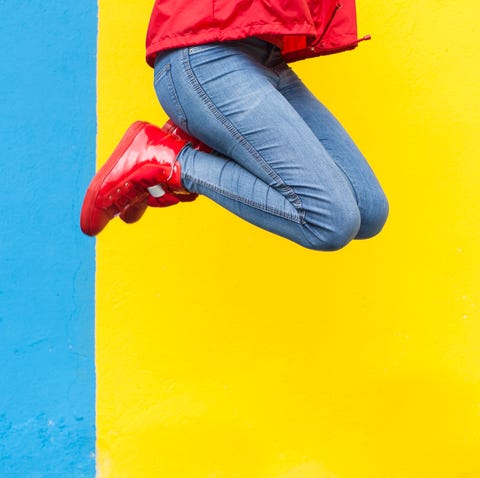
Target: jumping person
[{"x": 244, "y": 130}]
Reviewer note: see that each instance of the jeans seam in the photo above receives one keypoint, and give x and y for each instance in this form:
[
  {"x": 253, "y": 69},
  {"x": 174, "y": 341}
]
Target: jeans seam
[
  {"x": 243, "y": 200},
  {"x": 160, "y": 74},
  {"x": 173, "y": 92},
  {"x": 291, "y": 194}
]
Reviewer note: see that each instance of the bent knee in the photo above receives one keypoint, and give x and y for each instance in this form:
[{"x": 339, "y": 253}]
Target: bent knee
[
  {"x": 374, "y": 219},
  {"x": 338, "y": 233}
]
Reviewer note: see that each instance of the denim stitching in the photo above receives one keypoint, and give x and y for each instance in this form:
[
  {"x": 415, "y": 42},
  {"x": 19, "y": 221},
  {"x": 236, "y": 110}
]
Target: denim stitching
[
  {"x": 291, "y": 195},
  {"x": 247, "y": 202},
  {"x": 173, "y": 93},
  {"x": 160, "y": 74}
]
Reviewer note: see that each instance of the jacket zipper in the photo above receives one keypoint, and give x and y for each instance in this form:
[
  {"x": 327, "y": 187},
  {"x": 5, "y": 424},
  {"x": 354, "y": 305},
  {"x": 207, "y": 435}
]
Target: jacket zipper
[
  {"x": 338, "y": 6},
  {"x": 347, "y": 46}
]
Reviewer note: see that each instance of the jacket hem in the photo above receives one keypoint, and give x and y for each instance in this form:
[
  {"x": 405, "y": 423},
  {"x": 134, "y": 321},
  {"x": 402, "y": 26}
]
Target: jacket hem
[{"x": 189, "y": 39}]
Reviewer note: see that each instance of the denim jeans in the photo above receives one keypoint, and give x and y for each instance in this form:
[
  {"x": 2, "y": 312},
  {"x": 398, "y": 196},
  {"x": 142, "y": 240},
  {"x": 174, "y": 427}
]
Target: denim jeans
[{"x": 281, "y": 160}]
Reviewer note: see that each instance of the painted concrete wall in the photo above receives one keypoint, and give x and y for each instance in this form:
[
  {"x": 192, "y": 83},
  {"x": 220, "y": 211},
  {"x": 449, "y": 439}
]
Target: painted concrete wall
[
  {"x": 47, "y": 138},
  {"x": 223, "y": 351},
  {"x": 226, "y": 352}
]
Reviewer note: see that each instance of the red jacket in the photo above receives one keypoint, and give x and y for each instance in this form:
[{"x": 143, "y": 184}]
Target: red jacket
[{"x": 307, "y": 28}]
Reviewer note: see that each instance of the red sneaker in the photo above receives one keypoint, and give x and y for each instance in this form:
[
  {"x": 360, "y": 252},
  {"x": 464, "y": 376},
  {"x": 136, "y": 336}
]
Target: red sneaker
[
  {"x": 171, "y": 128},
  {"x": 142, "y": 170},
  {"x": 134, "y": 211}
]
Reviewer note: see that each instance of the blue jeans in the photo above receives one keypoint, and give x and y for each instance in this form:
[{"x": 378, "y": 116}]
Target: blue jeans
[{"x": 281, "y": 160}]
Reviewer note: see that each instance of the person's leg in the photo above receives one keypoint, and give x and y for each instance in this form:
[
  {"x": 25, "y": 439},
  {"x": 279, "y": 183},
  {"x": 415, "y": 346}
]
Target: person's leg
[
  {"x": 272, "y": 170},
  {"x": 371, "y": 200}
]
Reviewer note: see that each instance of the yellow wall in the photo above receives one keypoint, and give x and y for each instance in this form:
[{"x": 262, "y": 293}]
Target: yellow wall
[{"x": 226, "y": 352}]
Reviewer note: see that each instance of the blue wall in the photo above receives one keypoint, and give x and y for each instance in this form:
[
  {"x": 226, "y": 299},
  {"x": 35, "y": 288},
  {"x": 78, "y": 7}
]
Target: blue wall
[{"x": 47, "y": 139}]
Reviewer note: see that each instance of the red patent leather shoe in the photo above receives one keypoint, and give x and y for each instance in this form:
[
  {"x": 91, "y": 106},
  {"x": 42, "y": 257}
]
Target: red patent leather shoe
[
  {"x": 171, "y": 128},
  {"x": 142, "y": 171},
  {"x": 135, "y": 210}
]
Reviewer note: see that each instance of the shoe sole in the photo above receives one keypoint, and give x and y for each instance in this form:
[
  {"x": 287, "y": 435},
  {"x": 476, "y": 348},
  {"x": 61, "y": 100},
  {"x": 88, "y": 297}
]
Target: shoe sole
[{"x": 88, "y": 207}]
